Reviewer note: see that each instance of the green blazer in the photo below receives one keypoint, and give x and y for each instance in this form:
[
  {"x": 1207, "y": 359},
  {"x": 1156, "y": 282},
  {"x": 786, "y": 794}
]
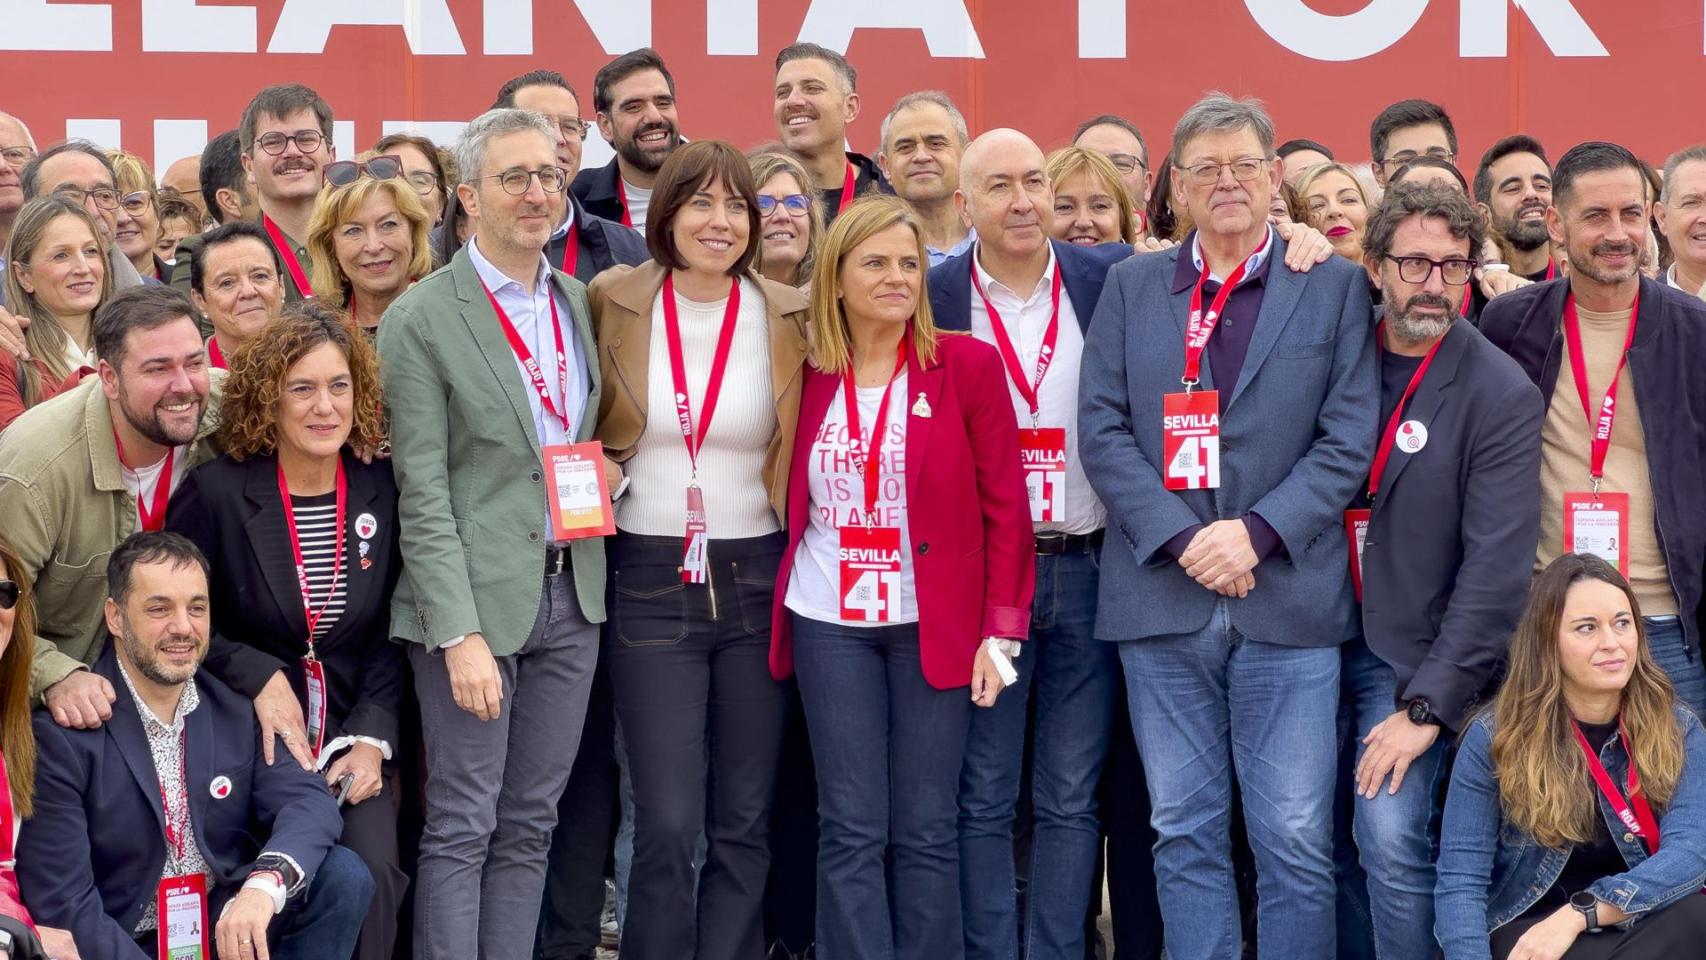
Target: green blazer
[{"x": 469, "y": 472}]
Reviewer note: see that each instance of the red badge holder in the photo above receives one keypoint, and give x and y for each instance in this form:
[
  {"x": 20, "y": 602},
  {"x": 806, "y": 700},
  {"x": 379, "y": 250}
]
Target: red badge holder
[
  {"x": 181, "y": 912},
  {"x": 1190, "y": 439},
  {"x": 579, "y": 495},
  {"x": 869, "y": 558},
  {"x": 1042, "y": 453}
]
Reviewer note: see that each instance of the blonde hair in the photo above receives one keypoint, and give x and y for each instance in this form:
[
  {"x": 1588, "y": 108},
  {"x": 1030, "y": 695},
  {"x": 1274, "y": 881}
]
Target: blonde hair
[
  {"x": 338, "y": 205},
  {"x": 767, "y": 165},
  {"x": 1071, "y": 161},
  {"x": 1544, "y": 787},
  {"x": 131, "y": 174},
  {"x": 46, "y": 338},
  {"x": 1322, "y": 169},
  {"x": 830, "y": 341}
]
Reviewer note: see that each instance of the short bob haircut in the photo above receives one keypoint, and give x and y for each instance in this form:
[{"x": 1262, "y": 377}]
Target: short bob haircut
[
  {"x": 767, "y": 165},
  {"x": 830, "y": 341},
  {"x": 1071, "y": 161},
  {"x": 248, "y": 410},
  {"x": 337, "y": 206},
  {"x": 687, "y": 171}
]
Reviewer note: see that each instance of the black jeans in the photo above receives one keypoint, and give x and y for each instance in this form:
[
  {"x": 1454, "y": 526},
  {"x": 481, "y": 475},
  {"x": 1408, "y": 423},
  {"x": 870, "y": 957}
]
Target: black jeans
[{"x": 702, "y": 722}]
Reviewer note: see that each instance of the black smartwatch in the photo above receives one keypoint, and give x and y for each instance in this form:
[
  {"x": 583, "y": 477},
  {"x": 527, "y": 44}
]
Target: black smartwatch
[
  {"x": 1420, "y": 712},
  {"x": 1588, "y": 906}
]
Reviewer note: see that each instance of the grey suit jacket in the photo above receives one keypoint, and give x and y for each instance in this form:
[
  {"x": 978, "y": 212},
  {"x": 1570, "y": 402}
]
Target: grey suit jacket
[
  {"x": 1296, "y": 440},
  {"x": 471, "y": 497}
]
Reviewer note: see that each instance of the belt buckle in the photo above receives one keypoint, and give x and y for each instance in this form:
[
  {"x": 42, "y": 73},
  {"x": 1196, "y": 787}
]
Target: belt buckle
[
  {"x": 556, "y": 559},
  {"x": 1051, "y": 544}
]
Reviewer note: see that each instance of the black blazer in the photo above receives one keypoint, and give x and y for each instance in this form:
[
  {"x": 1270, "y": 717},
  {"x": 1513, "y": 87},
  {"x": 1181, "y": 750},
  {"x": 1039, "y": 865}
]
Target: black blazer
[
  {"x": 1083, "y": 271},
  {"x": 1450, "y": 547},
  {"x": 595, "y": 191},
  {"x": 1665, "y": 360},
  {"x": 232, "y": 511},
  {"x": 603, "y": 244},
  {"x": 90, "y": 859}
]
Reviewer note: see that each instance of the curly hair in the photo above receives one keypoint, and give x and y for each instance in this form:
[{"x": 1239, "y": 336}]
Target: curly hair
[{"x": 255, "y": 384}]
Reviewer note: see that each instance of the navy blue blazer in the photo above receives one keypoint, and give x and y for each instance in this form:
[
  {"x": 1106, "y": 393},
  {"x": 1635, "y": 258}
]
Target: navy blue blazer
[
  {"x": 89, "y": 861},
  {"x": 1083, "y": 270},
  {"x": 1296, "y": 442},
  {"x": 603, "y": 244},
  {"x": 595, "y": 190}
]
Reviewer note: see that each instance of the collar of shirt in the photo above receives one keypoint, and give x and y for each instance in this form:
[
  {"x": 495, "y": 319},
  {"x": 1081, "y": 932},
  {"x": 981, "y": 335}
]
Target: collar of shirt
[
  {"x": 999, "y": 291},
  {"x": 1256, "y": 262},
  {"x": 1670, "y": 278},
  {"x": 188, "y": 700},
  {"x": 495, "y": 279},
  {"x": 568, "y": 220},
  {"x": 937, "y": 255}
]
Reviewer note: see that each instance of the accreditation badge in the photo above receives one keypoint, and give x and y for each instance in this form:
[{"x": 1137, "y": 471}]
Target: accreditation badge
[
  {"x": 1356, "y": 533},
  {"x": 1190, "y": 440},
  {"x": 869, "y": 558},
  {"x": 693, "y": 541},
  {"x": 1042, "y": 453},
  {"x": 314, "y": 673},
  {"x": 181, "y": 911},
  {"x": 1598, "y": 524},
  {"x": 578, "y": 495}
]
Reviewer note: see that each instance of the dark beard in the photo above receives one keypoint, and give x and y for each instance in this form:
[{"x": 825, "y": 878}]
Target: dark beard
[
  {"x": 149, "y": 425},
  {"x": 1525, "y": 236},
  {"x": 630, "y": 150}
]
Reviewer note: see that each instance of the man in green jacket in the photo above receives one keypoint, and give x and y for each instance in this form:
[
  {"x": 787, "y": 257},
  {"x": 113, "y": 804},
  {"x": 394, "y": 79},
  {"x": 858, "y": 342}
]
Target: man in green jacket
[{"x": 500, "y": 616}]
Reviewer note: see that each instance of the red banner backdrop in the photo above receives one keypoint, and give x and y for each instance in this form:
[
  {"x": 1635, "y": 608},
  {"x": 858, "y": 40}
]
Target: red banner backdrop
[{"x": 158, "y": 76}]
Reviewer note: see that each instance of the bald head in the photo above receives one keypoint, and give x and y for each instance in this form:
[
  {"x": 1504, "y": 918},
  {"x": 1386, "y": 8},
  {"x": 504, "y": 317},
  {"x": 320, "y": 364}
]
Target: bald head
[
  {"x": 184, "y": 176},
  {"x": 1005, "y": 194},
  {"x": 13, "y": 135}
]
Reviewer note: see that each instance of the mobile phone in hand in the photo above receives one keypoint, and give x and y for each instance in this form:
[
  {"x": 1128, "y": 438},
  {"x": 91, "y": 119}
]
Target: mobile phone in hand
[{"x": 340, "y": 790}]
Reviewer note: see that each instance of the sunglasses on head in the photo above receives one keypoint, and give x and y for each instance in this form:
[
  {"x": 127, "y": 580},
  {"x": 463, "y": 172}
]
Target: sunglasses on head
[
  {"x": 8, "y": 594},
  {"x": 379, "y": 168}
]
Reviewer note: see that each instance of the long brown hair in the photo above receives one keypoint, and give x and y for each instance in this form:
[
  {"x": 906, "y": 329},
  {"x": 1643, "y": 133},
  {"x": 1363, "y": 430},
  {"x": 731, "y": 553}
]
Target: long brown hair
[
  {"x": 830, "y": 342},
  {"x": 1543, "y": 782},
  {"x": 46, "y": 337},
  {"x": 17, "y": 740}
]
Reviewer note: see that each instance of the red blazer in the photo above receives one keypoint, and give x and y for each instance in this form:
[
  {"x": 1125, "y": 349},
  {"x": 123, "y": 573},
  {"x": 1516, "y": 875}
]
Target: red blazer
[
  {"x": 974, "y": 556},
  {"x": 11, "y": 397}
]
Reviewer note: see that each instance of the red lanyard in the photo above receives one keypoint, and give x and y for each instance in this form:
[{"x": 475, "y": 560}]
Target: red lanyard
[
  {"x": 153, "y": 518},
  {"x": 847, "y": 188},
  {"x": 314, "y": 616},
  {"x": 622, "y": 193},
  {"x": 215, "y": 356},
  {"x": 1009, "y": 356},
  {"x": 6, "y": 852},
  {"x": 1390, "y": 436},
  {"x": 287, "y": 253},
  {"x": 177, "y": 832},
  {"x": 572, "y": 252},
  {"x": 1639, "y": 820},
  {"x": 1199, "y": 327},
  {"x": 869, "y": 463},
  {"x": 1600, "y": 424},
  {"x": 678, "y": 366},
  {"x": 525, "y": 355},
  {"x": 1551, "y": 268}
]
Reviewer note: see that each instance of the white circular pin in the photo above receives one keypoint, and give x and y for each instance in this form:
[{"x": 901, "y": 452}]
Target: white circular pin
[
  {"x": 220, "y": 787},
  {"x": 1412, "y": 436},
  {"x": 366, "y": 526}
]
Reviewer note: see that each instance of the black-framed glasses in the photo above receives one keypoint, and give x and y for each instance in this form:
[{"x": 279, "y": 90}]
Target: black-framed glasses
[
  {"x": 797, "y": 204},
  {"x": 17, "y": 156},
  {"x": 348, "y": 171},
  {"x": 135, "y": 203},
  {"x": 1454, "y": 271},
  {"x": 1399, "y": 159},
  {"x": 515, "y": 182},
  {"x": 1244, "y": 170},
  {"x": 1128, "y": 163},
  {"x": 8, "y": 594},
  {"x": 105, "y": 197},
  {"x": 306, "y": 141}
]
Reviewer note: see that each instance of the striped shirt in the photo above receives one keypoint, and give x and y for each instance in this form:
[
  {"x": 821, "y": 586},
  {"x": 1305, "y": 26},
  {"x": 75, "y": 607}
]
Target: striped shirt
[{"x": 316, "y": 525}]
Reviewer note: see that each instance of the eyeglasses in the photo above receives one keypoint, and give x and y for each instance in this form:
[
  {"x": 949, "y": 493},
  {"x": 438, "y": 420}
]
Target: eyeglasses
[
  {"x": 1244, "y": 169},
  {"x": 135, "y": 203},
  {"x": 572, "y": 128},
  {"x": 105, "y": 197},
  {"x": 17, "y": 156},
  {"x": 797, "y": 204},
  {"x": 1126, "y": 163},
  {"x": 348, "y": 171},
  {"x": 306, "y": 141},
  {"x": 1399, "y": 159},
  {"x": 425, "y": 184},
  {"x": 1455, "y": 272},
  {"x": 8, "y": 594},
  {"x": 515, "y": 182}
]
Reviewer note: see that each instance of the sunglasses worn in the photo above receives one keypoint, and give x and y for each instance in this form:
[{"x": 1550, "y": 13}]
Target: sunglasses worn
[
  {"x": 348, "y": 171},
  {"x": 797, "y": 204},
  {"x": 8, "y": 594}
]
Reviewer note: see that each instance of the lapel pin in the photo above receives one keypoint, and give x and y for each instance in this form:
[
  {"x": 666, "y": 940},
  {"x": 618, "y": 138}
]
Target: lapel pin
[
  {"x": 366, "y": 526},
  {"x": 1412, "y": 436},
  {"x": 921, "y": 406},
  {"x": 366, "y": 562},
  {"x": 220, "y": 787}
]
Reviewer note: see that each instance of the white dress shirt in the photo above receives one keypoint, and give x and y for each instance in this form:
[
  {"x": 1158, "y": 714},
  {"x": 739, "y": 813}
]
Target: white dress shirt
[{"x": 530, "y": 314}]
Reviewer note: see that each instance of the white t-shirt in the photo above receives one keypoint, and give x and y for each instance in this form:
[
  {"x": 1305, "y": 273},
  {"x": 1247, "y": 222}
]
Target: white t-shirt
[
  {"x": 143, "y": 484},
  {"x": 837, "y": 494},
  {"x": 638, "y": 199}
]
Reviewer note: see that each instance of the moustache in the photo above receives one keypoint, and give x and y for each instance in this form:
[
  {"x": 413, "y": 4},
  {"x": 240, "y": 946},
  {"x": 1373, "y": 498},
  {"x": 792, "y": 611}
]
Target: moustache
[
  {"x": 1426, "y": 300},
  {"x": 1606, "y": 248}
]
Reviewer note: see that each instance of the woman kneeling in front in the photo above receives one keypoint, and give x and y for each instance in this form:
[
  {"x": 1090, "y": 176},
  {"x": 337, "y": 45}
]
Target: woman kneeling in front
[{"x": 1576, "y": 822}]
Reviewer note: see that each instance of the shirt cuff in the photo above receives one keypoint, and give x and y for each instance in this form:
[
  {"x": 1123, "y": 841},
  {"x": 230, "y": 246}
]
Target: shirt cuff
[
  {"x": 453, "y": 641},
  {"x": 1181, "y": 541},
  {"x": 1263, "y": 538},
  {"x": 349, "y": 740}
]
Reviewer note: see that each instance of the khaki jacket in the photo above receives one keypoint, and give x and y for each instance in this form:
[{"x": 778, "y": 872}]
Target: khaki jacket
[
  {"x": 64, "y": 507},
  {"x": 622, "y": 314}
]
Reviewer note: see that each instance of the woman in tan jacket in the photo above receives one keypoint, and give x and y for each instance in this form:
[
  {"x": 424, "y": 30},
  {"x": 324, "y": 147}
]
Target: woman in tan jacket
[{"x": 702, "y": 364}]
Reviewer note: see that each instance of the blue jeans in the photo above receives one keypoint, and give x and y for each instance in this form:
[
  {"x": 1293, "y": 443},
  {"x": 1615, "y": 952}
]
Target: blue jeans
[
  {"x": 888, "y": 749},
  {"x": 1668, "y": 644},
  {"x": 1394, "y": 836},
  {"x": 1075, "y": 677},
  {"x": 1207, "y": 704},
  {"x": 328, "y": 920}
]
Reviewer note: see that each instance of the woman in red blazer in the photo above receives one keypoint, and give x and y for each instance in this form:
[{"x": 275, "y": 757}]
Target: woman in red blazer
[{"x": 909, "y": 556}]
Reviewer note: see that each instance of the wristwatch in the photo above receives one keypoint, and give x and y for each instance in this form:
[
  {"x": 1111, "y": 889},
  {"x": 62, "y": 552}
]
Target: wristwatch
[
  {"x": 1588, "y": 905},
  {"x": 1420, "y": 711}
]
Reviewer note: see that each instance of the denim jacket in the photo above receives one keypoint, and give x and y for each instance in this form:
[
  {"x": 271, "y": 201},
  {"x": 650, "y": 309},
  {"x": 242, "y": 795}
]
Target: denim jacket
[{"x": 1490, "y": 871}]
